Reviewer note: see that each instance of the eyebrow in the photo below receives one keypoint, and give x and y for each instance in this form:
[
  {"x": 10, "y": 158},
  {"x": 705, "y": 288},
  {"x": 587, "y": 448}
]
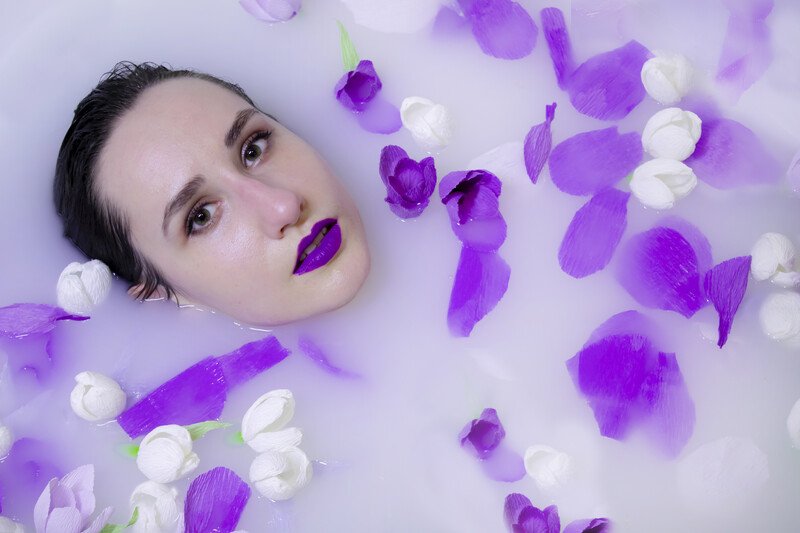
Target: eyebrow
[
  {"x": 238, "y": 124},
  {"x": 183, "y": 197}
]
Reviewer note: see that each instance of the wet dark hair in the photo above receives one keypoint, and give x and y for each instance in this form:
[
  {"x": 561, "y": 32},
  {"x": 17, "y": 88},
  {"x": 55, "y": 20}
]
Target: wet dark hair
[{"x": 96, "y": 228}]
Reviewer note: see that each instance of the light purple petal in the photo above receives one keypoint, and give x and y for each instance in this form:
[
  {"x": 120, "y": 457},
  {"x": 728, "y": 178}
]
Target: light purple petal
[
  {"x": 215, "y": 501},
  {"x": 538, "y": 143},
  {"x": 594, "y": 233},
  {"x": 725, "y": 285},
  {"x": 271, "y": 10},
  {"x": 502, "y": 28},
  {"x": 449, "y": 22},
  {"x": 591, "y": 161},
  {"x": 659, "y": 269},
  {"x": 41, "y": 510},
  {"x": 730, "y": 155},
  {"x": 534, "y": 520},
  {"x": 390, "y": 156},
  {"x": 27, "y": 469},
  {"x": 100, "y": 521},
  {"x": 514, "y": 505},
  {"x": 380, "y": 116},
  {"x": 63, "y": 520},
  {"x": 21, "y": 320},
  {"x": 589, "y": 525},
  {"x": 671, "y": 413},
  {"x": 747, "y": 48},
  {"x": 504, "y": 464},
  {"x": 482, "y": 435},
  {"x": 793, "y": 174},
  {"x": 555, "y": 32},
  {"x": 481, "y": 281},
  {"x": 471, "y": 201},
  {"x": 358, "y": 87},
  {"x": 199, "y": 392},
  {"x": 315, "y": 353}
]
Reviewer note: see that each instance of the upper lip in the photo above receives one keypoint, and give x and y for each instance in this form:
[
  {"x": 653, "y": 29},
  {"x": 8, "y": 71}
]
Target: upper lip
[{"x": 316, "y": 231}]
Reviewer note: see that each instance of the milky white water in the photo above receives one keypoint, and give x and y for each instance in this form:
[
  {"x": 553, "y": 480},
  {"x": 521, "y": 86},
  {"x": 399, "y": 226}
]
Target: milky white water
[{"x": 387, "y": 447}]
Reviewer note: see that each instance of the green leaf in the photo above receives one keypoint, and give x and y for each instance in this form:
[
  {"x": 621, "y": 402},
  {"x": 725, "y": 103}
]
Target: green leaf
[
  {"x": 116, "y": 528},
  {"x": 201, "y": 428},
  {"x": 349, "y": 55},
  {"x": 129, "y": 450},
  {"x": 629, "y": 178},
  {"x": 237, "y": 438}
]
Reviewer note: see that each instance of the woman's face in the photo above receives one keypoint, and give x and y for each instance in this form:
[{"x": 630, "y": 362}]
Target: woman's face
[{"x": 235, "y": 211}]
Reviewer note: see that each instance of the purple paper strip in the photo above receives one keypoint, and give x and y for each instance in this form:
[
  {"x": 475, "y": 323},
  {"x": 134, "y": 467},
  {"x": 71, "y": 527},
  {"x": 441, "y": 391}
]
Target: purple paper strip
[
  {"x": 502, "y": 28},
  {"x": 21, "y": 320},
  {"x": 315, "y": 353},
  {"x": 747, "y": 48},
  {"x": 215, "y": 501},
  {"x": 591, "y": 161},
  {"x": 725, "y": 285},
  {"x": 481, "y": 281},
  {"x": 538, "y": 143},
  {"x": 594, "y": 233}
]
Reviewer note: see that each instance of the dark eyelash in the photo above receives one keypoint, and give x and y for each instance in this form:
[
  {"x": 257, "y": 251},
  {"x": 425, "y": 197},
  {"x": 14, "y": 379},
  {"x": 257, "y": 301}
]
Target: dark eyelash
[
  {"x": 257, "y": 136},
  {"x": 190, "y": 217}
]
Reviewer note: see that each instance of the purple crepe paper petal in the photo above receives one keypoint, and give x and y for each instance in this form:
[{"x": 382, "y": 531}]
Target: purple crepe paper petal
[
  {"x": 695, "y": 237},
  {"x": 315, "y": 353},
  {"x": 628, "y": 323},
  {"x": 502, "y": 28},
  {"x": 358, "y": 87},
  {"x": 594, "y": 233},
  {"x": 589, "y": 525},
  {"x": 538, "y": 143},
  {"x": 483, "y": 434},
  {"x": 659, "y": 269},
  {"x": 27, "y": 469},
  {"x": 534, "y": 520},
  {"x": 215, "y": 501},
  {"x": 725, "y": 285},
  {"x": 481, "y": 281},
  {"x": 555, "y": 32},
  {"x": 380, "y": 116},
  {"x": 747, "y": 49},
  {"x": 21, "y": 320},
  {"x": 591, "y": 161},
  {"x": 504, "y": 464},
  {"x": 730, "y": 155},
  {"x": 514, "y": 505},
  {"x": 199, "y": 392}
]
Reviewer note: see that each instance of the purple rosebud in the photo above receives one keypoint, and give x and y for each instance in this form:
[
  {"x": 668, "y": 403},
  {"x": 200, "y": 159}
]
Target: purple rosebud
[
  {"x": 482, "y": 435},
  {"x": 409, "y": 184},
  {"x": 271, "y": 10},
  {"x": 358, "y": 87},
  {"x": 522, "y": 517},
  {"x": 471, "y": 198}
]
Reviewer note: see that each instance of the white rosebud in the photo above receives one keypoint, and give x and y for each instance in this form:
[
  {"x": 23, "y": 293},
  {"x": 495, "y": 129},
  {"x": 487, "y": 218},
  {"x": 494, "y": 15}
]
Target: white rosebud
[
  {"x": 430, "y": 124},
  {"x": 547, "y": 466},
  {"x": 6, "y": 440},
  {"x": 159, "y": 511},
  {"x": 772, "y": 254},
  {"x": 278, "y": 475},
  {"x": 262, "y": 424},
  {"x": 667, "y": 77},
  {"x": 82, "y": 286},
  {"x": 659, "y": 182},
  {"x": 671, "y": 133},
  {"x": 9, "y": 526},
  {"x": 793, "y": 424},
  {"x": 96, "y": 397},
  {"x": 780, "y": 317},
  {"x": 165, "y": 454}
]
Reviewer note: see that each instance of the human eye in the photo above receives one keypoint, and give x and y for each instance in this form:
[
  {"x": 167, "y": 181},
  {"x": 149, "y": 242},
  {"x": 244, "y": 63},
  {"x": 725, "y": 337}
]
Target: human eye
[
  {"x": 254, "y": 147},
  {"x": 200, "y": 218}
]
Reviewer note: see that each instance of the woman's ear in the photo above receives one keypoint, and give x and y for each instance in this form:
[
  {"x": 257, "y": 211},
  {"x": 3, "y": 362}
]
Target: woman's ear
[{"x": 160, "y": 293}]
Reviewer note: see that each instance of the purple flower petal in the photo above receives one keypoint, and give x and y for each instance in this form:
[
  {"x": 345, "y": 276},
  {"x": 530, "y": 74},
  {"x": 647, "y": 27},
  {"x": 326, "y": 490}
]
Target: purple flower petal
[
  {"x": 725, "y": 285},
  {"x": 409, "y": 184},
  {"x": 449, "y": 22},
  {"x": 538, "y": 143},
  {"x": 199, "y": 392},
  {"x": 481, "y": 281},
  {"x": 730, "y": 155},
  {"x": 471, "y": 199},
  {"x": 271, "y": 10},
  {"x": 502, "y": 28},
  {"x": 215, "y": 501},
  {"x": 555, "y": 32},
  {"x": 21, "y": 320},
  {"x": 591, "y": 161},
  {"x": 504, "y": 464},
  {"x": 482, "y": 435},
  {"x": 380, "y": 116},
  {"x": 589, "y": 525},
  {"x": 308, "y": 347},
  {"x": 515, "y": 504},
  {"x": 27, "y": 469},
  {"x": 746, "y": 50},
  {"x": 533, "y": 520},
  {"x": 659, "y": 268},
  {"x": 695, "y": 237},
  {"x": 594, "y": 233},
  {"x": 358, "y": 87}
]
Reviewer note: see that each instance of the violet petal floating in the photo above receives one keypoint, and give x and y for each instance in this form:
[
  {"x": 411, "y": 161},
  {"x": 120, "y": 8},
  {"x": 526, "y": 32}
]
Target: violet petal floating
[
  {"x": 538, "y": 143},
  {"x": 471, "y": 199},
  {"x": 725, "y": 285},
  {"x": 198, "y": 393},
  {"x": 502, "y": 28},
  {"x": 659, "y": 268},
  {"x": 555, "y": 32},
  {"x": 315, "y": 353},
  {"x": 589, "y": 525},
  {"x": 481, "y": 281},
  {"x": 449, "y": 22},
  {"x": 591, "y": 161},
  {"x": 409, "y": 184},
  {"x": 504, "y": 464},
  {"x": 271, "y": 10},
  {"x": 747, "y": 48},
  {"x": 594, "y": 233},
  {"x": 730, "y": 155},
  {"x": 380, "y": 116},
  {"x": 521, "y": 516},
  {"x": 21, "y": 320},
  {"x": 695, "y": 237},
  {"x": 358, "y": 87},
  {"x": 215, "y": 501},
  {"x": 482, "y": 435}
]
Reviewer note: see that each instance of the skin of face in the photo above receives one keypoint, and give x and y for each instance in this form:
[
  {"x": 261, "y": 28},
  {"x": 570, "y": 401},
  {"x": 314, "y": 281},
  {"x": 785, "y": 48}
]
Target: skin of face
[{"x": 248, "y": 195}]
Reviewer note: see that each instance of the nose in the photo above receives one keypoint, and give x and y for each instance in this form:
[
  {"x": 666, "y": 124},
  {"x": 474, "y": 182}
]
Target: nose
[{"x": 273, "y": 208}]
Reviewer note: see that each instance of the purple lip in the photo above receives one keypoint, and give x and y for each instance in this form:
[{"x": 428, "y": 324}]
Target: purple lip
[{"x": 328, "y": 237}]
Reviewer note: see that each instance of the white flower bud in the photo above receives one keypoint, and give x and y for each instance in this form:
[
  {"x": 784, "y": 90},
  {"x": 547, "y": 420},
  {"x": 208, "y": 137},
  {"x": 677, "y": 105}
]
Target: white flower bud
[
  {"x": 279, "y": 475},
  {"x": 793, "y": 424},
  {"x": 165, "y": 454},
  {"x": 667, "y": 77},
  {"x": 780, "y": 317},
  {"x": 159, "y": 511},
  {"x": 6, "y": 440},
  {"x": 430, "y": 124},
  {"x": 547, "y": 466},
  {"x": 96, "y": 397},
  {"x": 268, "y": 414},
  {"x": 82, "y": 286},
  {"x": 9, "y": 526},
  {"x": 659, "y": 182},
  {"x": 772, "y": 254},
  {"x": 671, "y": 133}
]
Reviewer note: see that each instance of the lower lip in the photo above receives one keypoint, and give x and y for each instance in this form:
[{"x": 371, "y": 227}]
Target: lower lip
[{"x": 323, "y": 253}]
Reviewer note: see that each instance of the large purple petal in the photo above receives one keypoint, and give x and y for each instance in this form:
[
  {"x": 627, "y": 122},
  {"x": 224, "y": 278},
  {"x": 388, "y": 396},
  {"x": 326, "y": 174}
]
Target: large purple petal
[
  {"x": 695, "y": 237},
  {"x": 591, "y": 161},
  {"x": 502, "y": 28},
  {"x": 21, "y": 320},
  {"x": 589, "y": 525},
  {"x": 746, "y": 50},
  {"x": 594, "y": 233},
  {"x": 215, "y": 501},
  {"x": 482, "y": 435},
  {"x": 27, "y": 469},
  {"x": 725, "y": 285},
  {"x": 555, "y": 32},
  {"x": 538, "y": 143},
  {"x": 199, "y": 392},
  {"x": 380, "y": 116},
  {"x": 730, "y": 155},
  {"x": 659, "y": 268},
  {"x": 481, "y": 281},
  {"x": 315, "y": 353}
]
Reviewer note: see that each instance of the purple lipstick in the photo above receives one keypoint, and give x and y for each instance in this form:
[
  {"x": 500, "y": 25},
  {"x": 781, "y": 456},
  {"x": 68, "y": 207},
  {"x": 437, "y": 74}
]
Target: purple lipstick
[{"x": 319, "y": 246}]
